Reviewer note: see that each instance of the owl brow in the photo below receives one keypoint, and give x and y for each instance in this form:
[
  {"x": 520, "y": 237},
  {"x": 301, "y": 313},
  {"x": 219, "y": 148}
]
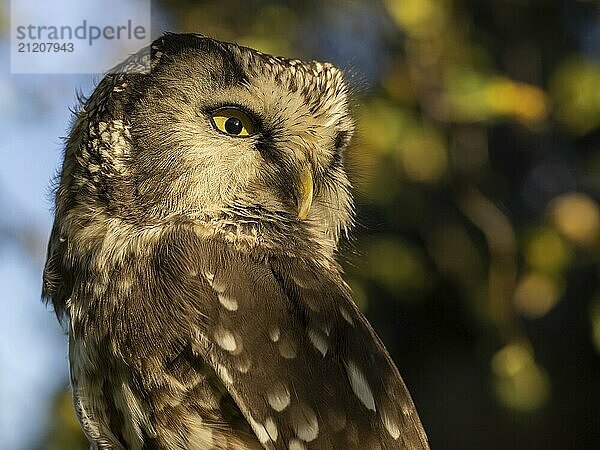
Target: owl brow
[{"x": 233, "y": 69}]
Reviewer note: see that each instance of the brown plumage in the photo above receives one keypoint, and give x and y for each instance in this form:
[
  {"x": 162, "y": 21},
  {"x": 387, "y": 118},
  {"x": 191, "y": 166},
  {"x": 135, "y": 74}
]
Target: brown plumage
[{"x": 192, "y": 256}]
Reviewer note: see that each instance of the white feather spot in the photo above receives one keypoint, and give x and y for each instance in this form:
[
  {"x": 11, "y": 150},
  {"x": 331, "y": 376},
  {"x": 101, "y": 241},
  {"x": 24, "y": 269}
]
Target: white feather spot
[
  {"x": 209, "y": 276},
  {"x": 223, "y": 373},
  {"x": 259, "y": 430},
  {"x": 346, "y": 315},
  {"x": 390, "y": 425},
  {"x": 305, "y": 422},
  {"x": 360, "y": 386},
  {"x": 318, "y": 341},
  {"x": 229, "y": 303},
  {"x": 274, "y": 334},
  {"x": 271, "y": 428},
  {"x": 225, "y": 339},
  {"x": 296, "y": 444},
  {"x": 279, "y": 397}
]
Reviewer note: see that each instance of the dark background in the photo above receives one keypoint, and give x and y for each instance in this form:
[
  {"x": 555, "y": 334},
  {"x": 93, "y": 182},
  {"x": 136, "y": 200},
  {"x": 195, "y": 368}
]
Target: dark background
[{"x": 476, "y": 172}]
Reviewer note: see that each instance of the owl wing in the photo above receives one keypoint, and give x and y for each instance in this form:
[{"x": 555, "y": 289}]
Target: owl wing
[{"x": 302, "y": 363}]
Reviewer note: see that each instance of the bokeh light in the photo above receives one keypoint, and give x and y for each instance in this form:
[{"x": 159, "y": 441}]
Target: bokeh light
[{"x": 577, "y": 216}]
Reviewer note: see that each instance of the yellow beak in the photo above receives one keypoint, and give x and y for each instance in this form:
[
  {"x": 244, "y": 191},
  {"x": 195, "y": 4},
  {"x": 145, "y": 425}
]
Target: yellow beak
[{"x": 304, "y": 192}]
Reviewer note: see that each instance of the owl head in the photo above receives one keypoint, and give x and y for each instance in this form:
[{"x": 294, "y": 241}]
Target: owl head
[{"x": 250, "y": 144}]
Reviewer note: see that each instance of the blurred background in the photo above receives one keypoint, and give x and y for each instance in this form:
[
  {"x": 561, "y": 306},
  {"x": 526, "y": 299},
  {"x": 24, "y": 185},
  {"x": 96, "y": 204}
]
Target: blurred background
[{"x": 476, "y": 168}]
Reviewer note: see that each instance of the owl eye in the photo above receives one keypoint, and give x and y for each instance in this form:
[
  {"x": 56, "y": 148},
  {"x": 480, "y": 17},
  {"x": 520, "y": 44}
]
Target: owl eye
[{"x": 233, "y": 121}]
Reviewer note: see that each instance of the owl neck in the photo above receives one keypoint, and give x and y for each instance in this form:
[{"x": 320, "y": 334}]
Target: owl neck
[
  {"x": 90, "y": 235},
  {"x": 86, "y": 249}
]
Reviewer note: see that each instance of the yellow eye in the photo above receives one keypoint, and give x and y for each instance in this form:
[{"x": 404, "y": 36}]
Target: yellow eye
[{"x": 233, "y": 122}]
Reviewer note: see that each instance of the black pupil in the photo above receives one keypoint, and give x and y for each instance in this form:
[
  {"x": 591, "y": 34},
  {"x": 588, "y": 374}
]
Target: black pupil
[{"x": 233, "y": 125}]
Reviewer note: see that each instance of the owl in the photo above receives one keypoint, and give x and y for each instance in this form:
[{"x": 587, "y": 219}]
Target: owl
[{"x": 192, "y": 258}]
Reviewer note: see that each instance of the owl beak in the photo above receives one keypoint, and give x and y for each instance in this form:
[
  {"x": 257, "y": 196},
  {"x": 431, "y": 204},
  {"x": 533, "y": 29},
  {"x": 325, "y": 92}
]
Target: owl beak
[{"x": 304, "y": 194}]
